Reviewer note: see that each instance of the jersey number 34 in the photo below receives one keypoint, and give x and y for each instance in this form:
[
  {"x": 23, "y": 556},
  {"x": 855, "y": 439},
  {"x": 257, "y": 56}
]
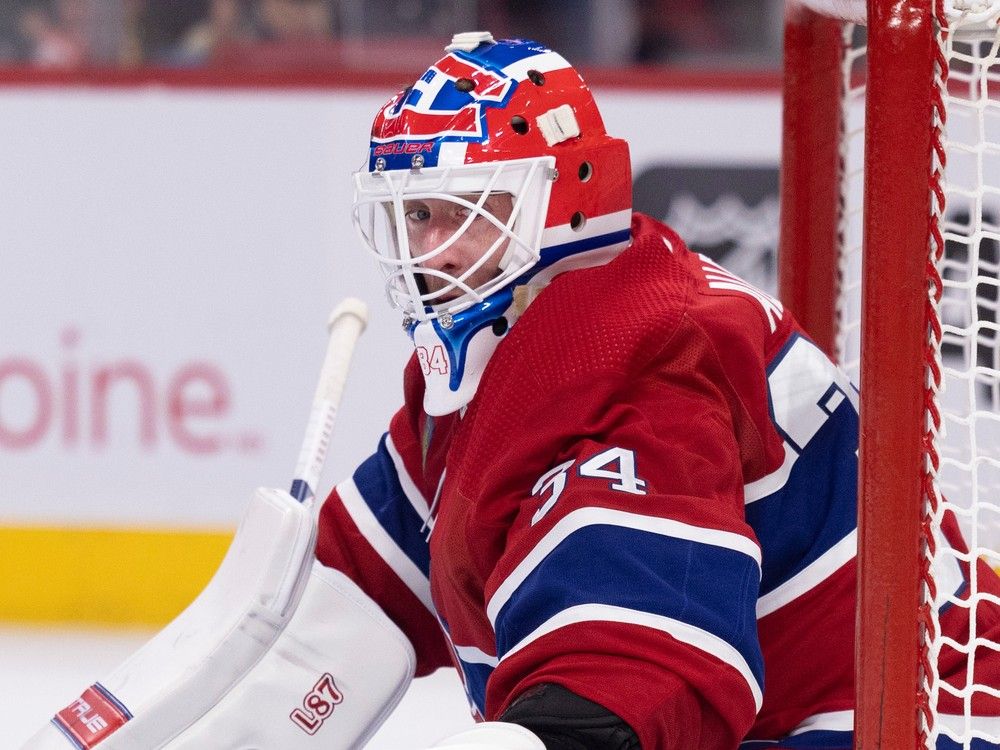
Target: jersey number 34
[{"x": 614, "y": 465}]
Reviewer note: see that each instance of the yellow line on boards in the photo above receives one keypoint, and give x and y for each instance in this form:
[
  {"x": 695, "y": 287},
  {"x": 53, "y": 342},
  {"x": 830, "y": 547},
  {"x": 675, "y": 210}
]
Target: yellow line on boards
[{"x": 104, "y": 576}]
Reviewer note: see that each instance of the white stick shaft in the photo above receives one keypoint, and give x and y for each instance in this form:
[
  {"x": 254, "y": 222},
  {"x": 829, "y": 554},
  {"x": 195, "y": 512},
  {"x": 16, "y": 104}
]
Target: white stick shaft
[{"x": 347, "y": 321}]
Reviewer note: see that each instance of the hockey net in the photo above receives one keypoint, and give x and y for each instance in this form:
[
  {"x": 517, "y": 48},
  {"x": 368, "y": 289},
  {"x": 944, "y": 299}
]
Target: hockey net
[{"x": 913, "y": 319}]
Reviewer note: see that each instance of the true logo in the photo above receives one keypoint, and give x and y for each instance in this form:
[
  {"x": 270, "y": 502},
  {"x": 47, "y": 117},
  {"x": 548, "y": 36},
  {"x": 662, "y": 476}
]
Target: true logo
[{"x": 92, "y": 717}]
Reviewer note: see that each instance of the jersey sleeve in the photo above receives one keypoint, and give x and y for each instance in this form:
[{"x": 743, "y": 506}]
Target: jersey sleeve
[
  {"x": 630, "y": 576},
  {"x": 374, "y": 528}
]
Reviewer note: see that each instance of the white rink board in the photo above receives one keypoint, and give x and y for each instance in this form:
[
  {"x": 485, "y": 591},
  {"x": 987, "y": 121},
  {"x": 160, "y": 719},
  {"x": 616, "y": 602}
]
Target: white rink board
[{"x": 178, "y": 250}]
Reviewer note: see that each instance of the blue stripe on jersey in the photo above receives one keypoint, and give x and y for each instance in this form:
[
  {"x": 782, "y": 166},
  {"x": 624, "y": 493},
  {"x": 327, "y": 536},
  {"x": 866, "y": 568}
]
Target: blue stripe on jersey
[
  {"x": 378, "y": 483},
  {"x": 475, "y": 675},
  {"x": 703, "y": 585},
  {"x": 817, "y": 506},
  {"x": 820, "y": 739},
  {"x": 947, "y": 743}
]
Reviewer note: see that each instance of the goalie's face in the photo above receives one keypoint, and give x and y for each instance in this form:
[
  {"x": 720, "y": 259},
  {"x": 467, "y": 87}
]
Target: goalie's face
[
  {"x": 449, "y": 237},
  {"x": 462, "y": 246}
]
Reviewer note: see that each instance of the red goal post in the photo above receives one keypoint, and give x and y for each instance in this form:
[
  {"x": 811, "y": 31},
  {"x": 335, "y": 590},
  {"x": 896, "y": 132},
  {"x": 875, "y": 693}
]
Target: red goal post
[{"x": 894, "y": 146}]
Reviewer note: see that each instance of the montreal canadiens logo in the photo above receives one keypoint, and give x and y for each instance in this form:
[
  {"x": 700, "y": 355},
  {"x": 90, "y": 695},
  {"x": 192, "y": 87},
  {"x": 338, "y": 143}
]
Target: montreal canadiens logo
[{"x": 436, "y": 107}]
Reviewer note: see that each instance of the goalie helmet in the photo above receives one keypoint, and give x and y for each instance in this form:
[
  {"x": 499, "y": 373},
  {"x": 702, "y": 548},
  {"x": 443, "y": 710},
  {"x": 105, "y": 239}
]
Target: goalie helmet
[{"x": 487, "y": 177}]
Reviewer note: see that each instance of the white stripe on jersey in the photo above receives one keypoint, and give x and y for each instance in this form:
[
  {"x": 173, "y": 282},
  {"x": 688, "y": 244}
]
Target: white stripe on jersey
[
  {"x": 473, "y": 655},
  {"x": 811, "y": 576},
  {"x": 460, "y": 669},
  {"x": 771, "y": 483},
  {"x": 584, "y": 517},
  {"x": 417, "y": 500},
  {"x": 831, "y": 721},
  {"x": 384, "y": 544},
  {"x": 681, "y": 631},
  {"x": 799, "y": 383}
]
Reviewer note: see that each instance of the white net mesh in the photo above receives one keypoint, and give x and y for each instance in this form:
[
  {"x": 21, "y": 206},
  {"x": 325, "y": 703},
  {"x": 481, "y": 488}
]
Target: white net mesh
[
  {"x": 963, "y": 703},
  {"x": 970, "y": 392},
  {"x": 852, "y": 171},
  {"x": 959, "y": 12},
  {"x": 969, "y": 475}
]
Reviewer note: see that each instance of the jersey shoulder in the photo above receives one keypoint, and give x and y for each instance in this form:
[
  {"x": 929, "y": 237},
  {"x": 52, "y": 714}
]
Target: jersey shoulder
[
  {"x": 733, "y": 312},
  {"x": 610, "y": 317},
  {"x": 621, "y": 315}
]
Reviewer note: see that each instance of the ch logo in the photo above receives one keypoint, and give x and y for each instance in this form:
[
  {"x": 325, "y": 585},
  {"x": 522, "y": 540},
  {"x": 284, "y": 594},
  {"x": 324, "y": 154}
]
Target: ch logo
[{"x": 436, "y": 106}]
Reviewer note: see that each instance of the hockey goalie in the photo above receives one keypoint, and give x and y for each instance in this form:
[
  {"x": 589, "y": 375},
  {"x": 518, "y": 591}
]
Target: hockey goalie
[{"x": 619, "y": 498}]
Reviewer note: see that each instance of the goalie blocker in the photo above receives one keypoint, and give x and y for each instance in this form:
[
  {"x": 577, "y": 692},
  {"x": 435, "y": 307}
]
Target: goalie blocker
[{"x": 269, "y": 655}]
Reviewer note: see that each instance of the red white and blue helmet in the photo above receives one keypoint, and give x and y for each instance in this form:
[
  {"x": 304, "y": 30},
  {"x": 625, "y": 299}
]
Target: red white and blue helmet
[{"x": 489, "y": 117}]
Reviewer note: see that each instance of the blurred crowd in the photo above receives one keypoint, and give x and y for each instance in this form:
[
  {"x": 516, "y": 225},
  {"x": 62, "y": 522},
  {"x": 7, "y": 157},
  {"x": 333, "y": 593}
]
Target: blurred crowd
[{"x": 314, "y": 34}]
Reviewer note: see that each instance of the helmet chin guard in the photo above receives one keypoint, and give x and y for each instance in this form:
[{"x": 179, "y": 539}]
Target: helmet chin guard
[
  {"x": 491, "y": 118},
  {"x": 453, "y": 350}
]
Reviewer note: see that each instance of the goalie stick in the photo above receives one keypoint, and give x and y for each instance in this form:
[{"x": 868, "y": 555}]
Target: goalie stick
[{"x": 347, "y": 323}]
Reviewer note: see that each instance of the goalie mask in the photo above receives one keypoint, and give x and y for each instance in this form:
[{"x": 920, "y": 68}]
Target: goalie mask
[{"x": 486, "y": 178}]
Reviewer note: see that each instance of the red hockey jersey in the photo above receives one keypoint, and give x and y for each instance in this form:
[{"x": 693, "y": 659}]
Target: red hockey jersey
[{"x": 651, "y": 501}]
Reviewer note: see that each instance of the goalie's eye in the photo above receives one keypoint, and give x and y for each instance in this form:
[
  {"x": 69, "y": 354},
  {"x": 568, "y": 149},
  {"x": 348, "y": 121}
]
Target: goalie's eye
[
  {"x": 422, "y": 213},
  {"x": 418, "y": 214}
]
